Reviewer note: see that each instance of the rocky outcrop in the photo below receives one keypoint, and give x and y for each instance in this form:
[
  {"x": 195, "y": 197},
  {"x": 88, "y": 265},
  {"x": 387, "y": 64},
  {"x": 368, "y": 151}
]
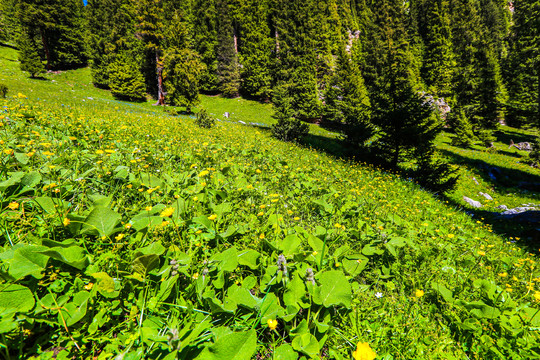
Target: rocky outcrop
[{"x": 473, "y": 203}]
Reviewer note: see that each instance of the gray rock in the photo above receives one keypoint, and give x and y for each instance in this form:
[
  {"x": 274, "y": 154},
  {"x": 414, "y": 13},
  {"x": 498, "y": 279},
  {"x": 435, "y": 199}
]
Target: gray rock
[
  {"x": 502, "y": 207},
  {"x": 487, "y": 196},
  {"x": 473, "y": 203},
  {"x": 518, "y": 210},
  {"x": 476, "y": 181}
]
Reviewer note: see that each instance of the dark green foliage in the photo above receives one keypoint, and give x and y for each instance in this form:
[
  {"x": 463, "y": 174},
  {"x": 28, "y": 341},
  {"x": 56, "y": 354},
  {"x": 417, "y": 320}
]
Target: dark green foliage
[
  {"x": 181, "y": 76},
  {"x": 287, "y": 128},
  {"x": 205, "y": 41},
  {"x": 110, "y": 29},
  {"x": 59, "y": 25},
  {"x": 522, "y": 71},
  {"x": 463, "y": 131},
  {"x": 534, "y": 155},
  {"x": 432, "y": 173},
  {"x": 228, "y": 69},
  {"x": 486, "y": 137},
  {"x": 9, "y": 26},
  {"x": 255, "y": 50},
  {"x": 125, "y": 79},
  {"x": 205, "y": 120},
  {"x": 296, "y": 54},
  {"x": 347, "y": 101},
  {"x": 3, "y": 90},
  {"x": 28, "y": 54}
]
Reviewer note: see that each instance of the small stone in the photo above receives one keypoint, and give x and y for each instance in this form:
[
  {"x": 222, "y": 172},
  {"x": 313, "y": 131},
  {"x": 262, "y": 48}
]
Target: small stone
[
  {"x": 476, "y": 181},
  {"x": 473, "y": 203},
  {"x": 502, "y": 207},
  {"x": 487, "y": 196}
]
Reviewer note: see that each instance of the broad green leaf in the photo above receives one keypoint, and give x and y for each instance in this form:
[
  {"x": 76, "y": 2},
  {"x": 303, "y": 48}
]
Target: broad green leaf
[
  {"x": 16, "y": 297},
  {"x": 14, "y": 179},
  {"x": 233, "y": 346},
  {"x": 295, "y": 294},
  {"x": 442, "y": 290},
  {"x": 50, "y": 205},
  {"x": 334, "y": 289},
  {"x": 249, "y": 258},
  {"x": 290, "y": 244},
  {"x": 150, "y": 180},
  {"x": 101, "y": 221},
  {"x": 31, "y": 179},
  {"x": 243, "y": 297},
  {"x": 22, "y": 158},
  {"x": 228, "y": 260},
  {"x": 270, "y": 308},
  {"x": 74, "y": 311},
  {"x": 354, "y": 264},
  {"x": 26, "y": 260},
  {"x": 104, "y": 283},
  {"x": 74, "y": 256},
  {"x": 306, "y": 344},
  {"x": 285, "y": 352},
  {"x": 204, "y": 221},
  {"x": 227, "y": 306},
  {"x": 154, "y": 248},
  {"x": 145, "y": 263}
]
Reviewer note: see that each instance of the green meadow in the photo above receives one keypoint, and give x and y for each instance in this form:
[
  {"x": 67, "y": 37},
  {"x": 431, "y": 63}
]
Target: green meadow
[{"x": 130, "y": 233}]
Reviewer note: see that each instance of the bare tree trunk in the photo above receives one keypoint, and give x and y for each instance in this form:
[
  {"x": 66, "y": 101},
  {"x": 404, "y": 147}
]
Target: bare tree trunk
[
  {"x": 46, "y": 49},
  {"x": 159, "y": 68}
]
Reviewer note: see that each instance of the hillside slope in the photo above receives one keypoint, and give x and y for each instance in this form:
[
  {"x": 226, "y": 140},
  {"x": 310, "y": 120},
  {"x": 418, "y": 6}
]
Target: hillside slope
[{"x": 129, "y": 231}]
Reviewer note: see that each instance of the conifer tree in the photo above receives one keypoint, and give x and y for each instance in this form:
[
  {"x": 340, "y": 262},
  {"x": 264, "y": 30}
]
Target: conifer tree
[
  {"x": 228, "y": 69},
  {"x": 29, "y": 58},
  {"x": 9, "y": 27},
  {"x": 404, "y": 119},
  {"x": 347, "y": 101},
  {"x": 522, "y": 71},
  {"x": 255, "y": 50},
  {"x": 126, "y": 80},
  {"x": 205, "y": 40},
  {"x": 59, "y": 26},
  {"x": 181, "y": 75}
]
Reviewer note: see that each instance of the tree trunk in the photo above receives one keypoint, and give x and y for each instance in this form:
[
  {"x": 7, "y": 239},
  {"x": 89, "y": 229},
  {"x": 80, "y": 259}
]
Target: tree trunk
[
  {"x": 159, "y": 71},
  {"x": 46, "y": 49},
  {"x": 395, "y": 160}
]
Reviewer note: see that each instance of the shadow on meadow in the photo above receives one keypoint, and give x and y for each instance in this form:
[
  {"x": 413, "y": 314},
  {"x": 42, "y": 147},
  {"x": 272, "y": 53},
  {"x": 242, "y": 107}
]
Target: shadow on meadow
[{"x": 495, "y": 174}]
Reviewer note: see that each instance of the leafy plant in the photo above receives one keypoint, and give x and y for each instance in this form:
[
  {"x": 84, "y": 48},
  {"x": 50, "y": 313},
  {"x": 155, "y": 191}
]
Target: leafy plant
[{"x": 205, "y": 120}]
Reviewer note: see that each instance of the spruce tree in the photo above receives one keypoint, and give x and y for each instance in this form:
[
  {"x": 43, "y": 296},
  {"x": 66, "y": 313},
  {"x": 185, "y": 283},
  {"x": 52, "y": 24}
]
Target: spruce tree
[
  {"x": 522, "y": 71},
  {"x": 404, "y": 119},
  {"x": 228, "y": 69},
  {"x": 205, "y": 40},
  {"x": 125, "y": 79},
  {"x": 347, "y": 101},
  {"x": 29, "y": 58},
  {"x": 59, "y": 24},
  {"x": 181, "y": 75},
  {"x": 255, "y": 50}
]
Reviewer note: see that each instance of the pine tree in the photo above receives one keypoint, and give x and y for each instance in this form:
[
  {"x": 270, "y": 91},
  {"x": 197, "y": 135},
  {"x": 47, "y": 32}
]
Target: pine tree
[
  {"x": 9, "y": 26},
  {"x": 347, "y": 101},
  {"x": 28, "y": 55},
  {"x": 205, "y": 40},
  {"x": 126, "y": 80},
  {"x": 110, "y": 30},
  {"x": 181, "y": 75},
  {"x": 255, "y": 50},
  {"x": 404, "y": 119},
  {"x": 296, "y": 60},
  {"x": 522, "y": 72},
  {"x": 59, "y": 25},
  {"x": 228, "y": 69},
  {"x": 287, "y": 128}
]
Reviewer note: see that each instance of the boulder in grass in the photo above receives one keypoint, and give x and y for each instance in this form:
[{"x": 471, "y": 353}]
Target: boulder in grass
[
  {"x": 473, "y": 203},
  {"x": 487, "y": 196}
]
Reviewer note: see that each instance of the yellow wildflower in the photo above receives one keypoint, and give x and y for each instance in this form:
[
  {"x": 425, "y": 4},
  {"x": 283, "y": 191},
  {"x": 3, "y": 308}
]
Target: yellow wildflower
[
  {"x": 148, "y": 208},
  {"x": 481, "y": 253},
  {"x": 419, "y": 293},
  {"x": 363, "y": 352},
  {"x": 272, "y": 324},
  {"x": 167, "y": 212},
  {"x": 66, "y": 222},
  {"x": 261, "y": 236},
  {"x": 204, "y": 173},
  {"x": 13, "y": 205},
  {"x": 212, "y": 217}
]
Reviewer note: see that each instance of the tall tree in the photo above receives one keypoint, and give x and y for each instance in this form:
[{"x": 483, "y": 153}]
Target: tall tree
[
  {"x": 228, "y": 69},
  {"x": 60, "y": 27},
  {"x": 28, "y": 54},
  {"x": 523, "y": 67},
  {"x": 205, "y": 40}
]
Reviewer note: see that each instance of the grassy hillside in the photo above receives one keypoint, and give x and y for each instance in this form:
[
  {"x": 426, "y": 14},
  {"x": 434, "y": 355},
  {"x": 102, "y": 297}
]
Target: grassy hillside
[{"x": 129, "y": 231}]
